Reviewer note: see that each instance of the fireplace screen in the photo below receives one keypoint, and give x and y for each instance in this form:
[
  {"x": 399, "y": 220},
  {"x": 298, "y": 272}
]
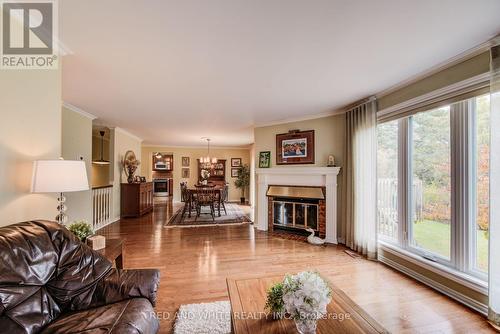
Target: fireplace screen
[{"x": 292, "y": 213}]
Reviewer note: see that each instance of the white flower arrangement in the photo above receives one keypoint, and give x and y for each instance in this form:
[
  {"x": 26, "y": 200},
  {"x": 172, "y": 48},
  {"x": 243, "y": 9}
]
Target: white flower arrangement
[
  {"x": 306, "y": 295},
  {"x": 205, "y": 174}
]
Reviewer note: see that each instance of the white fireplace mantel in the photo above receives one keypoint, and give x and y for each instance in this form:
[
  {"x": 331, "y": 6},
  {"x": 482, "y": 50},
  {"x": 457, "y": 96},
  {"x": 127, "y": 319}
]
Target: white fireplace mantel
[{"x": 300, "y": 176}]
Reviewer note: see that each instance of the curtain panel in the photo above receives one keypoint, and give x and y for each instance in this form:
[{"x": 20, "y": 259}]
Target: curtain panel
[
  {"x": 359, "y": 224},
  {"x": 494, "y": 228}
]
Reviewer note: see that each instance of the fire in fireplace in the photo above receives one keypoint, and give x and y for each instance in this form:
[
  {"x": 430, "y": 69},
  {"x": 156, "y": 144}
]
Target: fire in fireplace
[{"x": 295, "y": 209}]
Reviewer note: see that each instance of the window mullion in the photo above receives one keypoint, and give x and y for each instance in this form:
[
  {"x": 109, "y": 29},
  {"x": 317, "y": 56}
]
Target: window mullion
[{"x": 404, "y": 190}]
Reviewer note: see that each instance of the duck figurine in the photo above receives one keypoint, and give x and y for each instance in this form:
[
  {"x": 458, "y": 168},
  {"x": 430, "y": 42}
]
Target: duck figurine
[{"x": 313, "y": 239}]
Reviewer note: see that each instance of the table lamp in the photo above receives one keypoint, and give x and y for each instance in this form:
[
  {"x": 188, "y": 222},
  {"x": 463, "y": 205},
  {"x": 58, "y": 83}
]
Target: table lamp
[{"x": 59, "y": 176}]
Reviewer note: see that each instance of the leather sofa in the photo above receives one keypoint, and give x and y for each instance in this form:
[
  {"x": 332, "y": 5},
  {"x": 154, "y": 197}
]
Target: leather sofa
[{"x": 50, "y": 282}]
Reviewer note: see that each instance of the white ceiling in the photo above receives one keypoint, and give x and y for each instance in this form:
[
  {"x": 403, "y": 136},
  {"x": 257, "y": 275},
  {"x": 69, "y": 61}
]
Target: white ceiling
[{"x": 172, "y": 72}]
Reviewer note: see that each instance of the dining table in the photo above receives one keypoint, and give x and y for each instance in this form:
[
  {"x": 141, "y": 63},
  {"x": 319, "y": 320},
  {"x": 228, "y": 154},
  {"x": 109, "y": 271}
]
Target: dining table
[{"x": 192, "y": 191}]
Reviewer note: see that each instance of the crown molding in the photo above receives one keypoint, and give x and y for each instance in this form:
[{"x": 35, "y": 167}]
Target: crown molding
[
  {"x": 166, "y": 147},
  {"x": 125, "y": 132},
  {"x": 300, "y": 118},
  {"x": 78, "y": 110},
  {"x": 461, "y": 57}
]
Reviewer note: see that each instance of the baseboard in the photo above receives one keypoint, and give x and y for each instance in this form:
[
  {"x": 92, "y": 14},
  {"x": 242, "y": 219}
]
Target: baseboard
[
  {"x": 466, "y": 300},
  {"x": 114, "y": 220}
]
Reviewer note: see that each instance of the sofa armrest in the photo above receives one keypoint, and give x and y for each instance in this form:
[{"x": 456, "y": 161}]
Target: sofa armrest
[{"x": 119, "y": 285}]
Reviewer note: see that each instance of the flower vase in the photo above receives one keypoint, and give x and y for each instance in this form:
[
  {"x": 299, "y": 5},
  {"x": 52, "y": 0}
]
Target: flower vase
[
  {"x": 131, "y": 171},
  {"x": 306, "y": 326}
]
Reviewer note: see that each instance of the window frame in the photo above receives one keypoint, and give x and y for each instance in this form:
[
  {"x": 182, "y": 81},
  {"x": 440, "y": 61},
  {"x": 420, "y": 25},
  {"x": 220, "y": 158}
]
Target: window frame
[
  {"x": 463, "y": 256},
  {"x": 431, "y": 256},
  {"x": 472, "y": 267}
]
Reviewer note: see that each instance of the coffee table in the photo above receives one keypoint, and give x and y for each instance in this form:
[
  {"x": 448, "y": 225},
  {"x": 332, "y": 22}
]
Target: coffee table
[{"x": 248, "y": 298}]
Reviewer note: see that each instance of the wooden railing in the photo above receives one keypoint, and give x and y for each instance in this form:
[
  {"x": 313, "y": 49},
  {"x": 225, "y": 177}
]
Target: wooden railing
[
  {"x": 387, "y": 205},
  {"x": 102, "y": 206}
]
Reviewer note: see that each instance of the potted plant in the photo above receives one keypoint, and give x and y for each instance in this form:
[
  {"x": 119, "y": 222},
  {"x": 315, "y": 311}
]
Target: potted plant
[
  {"x": 305, "y": 297},
  {"x": 81, "y": 229},
  {"x": 274, "y": 302},
  {"x": 243, "y": 181}
]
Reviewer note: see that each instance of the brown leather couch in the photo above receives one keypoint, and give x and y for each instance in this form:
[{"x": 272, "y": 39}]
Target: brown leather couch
[{"x": 50, "y": 282}]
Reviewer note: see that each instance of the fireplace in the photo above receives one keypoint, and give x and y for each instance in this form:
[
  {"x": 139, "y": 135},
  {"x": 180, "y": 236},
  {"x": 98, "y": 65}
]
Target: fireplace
[
  {"x": 294, "y": 180},
  {"x": 161, "y": 187},
  {"x": 295, "y": 208}
]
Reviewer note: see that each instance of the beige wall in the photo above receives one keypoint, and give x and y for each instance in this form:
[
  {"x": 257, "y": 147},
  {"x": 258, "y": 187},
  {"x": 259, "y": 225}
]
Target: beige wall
[
  {"x": 30, "y": 129},
  {"x": 76, "y": 143},
  {"x": 329, "y": 139},
  {"x": 252, "y": 181},
  {"x": 122, "y": 141},
  {"x": 193, "y": 154},
  {"x": 100, "y": 173}
]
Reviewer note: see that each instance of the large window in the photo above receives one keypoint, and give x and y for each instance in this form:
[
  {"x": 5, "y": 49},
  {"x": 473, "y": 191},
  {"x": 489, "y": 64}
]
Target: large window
[
  {"x": 430, "y": 230},
  {"x": 433, "y": 184}
]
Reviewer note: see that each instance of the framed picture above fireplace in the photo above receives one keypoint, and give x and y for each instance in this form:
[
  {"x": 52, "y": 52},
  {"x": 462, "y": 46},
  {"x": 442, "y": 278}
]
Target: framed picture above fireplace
[{"x": 295, "y": 147}]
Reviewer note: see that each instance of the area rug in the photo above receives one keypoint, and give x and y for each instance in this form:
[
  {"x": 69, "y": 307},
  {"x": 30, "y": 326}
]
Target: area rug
[
  {"x": 204, "y": 318},
  {"x": 235, "y": 216}
]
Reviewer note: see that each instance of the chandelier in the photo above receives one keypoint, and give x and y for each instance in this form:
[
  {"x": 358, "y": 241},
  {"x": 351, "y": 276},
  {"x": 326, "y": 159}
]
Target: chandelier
[{"x": 207, "y": 161}]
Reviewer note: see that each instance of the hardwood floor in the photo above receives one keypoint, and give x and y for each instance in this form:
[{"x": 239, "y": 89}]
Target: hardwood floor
[{"x": 195, "y": 262}]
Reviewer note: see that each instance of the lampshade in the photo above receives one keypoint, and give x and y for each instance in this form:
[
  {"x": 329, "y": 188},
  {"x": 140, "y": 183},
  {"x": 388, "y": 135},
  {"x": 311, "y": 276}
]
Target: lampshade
[{"x": 57, "y": 176}]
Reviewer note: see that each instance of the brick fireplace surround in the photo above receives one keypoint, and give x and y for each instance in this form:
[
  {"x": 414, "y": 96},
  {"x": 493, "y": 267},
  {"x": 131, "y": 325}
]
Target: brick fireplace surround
[{"x": 325, "y": 177}]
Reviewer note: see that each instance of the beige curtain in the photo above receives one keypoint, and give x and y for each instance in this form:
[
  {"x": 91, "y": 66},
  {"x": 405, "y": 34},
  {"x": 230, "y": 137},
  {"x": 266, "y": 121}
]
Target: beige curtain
[
  {"x": 359, "y": 230},
  {"x": 494, "y": 228}
]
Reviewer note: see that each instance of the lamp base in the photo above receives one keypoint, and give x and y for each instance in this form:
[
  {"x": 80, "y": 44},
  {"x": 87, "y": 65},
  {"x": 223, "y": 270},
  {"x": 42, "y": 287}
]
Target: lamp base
[{"x": 61, "y": 217}]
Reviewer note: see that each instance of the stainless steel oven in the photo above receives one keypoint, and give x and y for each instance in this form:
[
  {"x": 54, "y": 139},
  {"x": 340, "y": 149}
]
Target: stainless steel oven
[{"x": 161, "y": 187}]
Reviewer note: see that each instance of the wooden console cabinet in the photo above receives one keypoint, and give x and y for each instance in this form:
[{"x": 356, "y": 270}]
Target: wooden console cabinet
[{"x": 136, "y": 199}]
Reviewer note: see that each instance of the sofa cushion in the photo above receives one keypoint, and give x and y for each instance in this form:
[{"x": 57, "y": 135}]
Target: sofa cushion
[
  {"x": 45, "y": 271},
  {"x": 132, "y": 316},
  {"x": 35, "y": 310}
]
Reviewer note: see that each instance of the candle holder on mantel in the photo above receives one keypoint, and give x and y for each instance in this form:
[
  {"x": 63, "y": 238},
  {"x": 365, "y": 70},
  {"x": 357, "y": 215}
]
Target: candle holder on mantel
[{"x": 331, "y": 161}]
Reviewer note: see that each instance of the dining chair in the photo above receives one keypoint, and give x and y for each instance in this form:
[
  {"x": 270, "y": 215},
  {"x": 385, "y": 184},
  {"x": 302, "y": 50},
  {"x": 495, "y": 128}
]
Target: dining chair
[
  {"x": 223, "y": 198},
  {"x": 187, "y": 198},
  {"x": 205, "y": 197},
  {"x": 184, "y": 192}
]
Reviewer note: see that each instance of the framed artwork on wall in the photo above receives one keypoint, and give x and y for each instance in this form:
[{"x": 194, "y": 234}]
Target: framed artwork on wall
[
  {"x": 265, "y": 159},
  {"x": 235, "y": 162},
  {"x": 185, "y": 173},
  {"x": 234, "y": 172},
  {"x": 185, "y": 161},
  {"x": 295, "y": 147}
]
